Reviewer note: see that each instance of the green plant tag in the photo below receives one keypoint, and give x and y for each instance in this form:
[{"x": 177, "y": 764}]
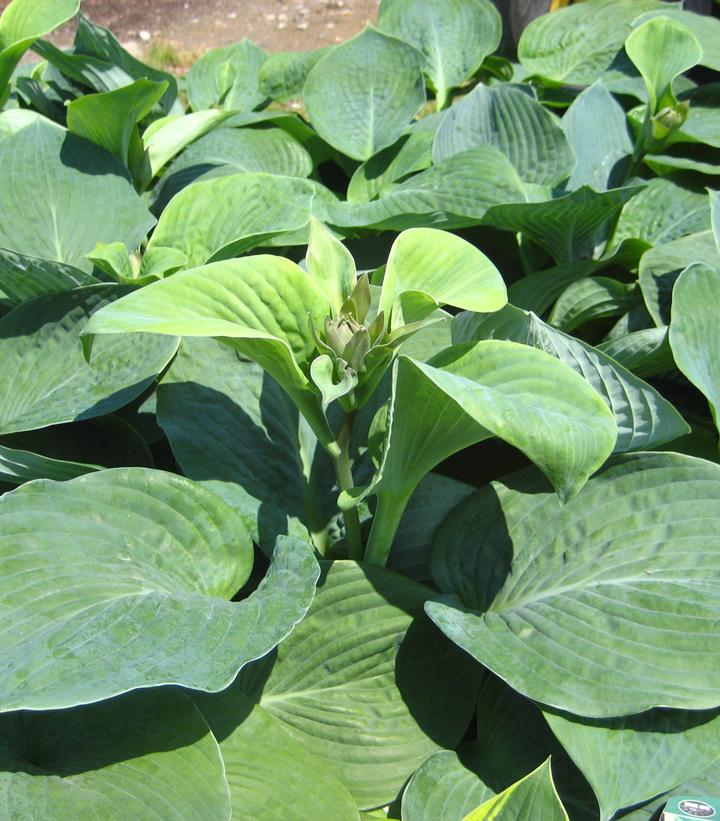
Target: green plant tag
[{"x": 679, "y": 809}]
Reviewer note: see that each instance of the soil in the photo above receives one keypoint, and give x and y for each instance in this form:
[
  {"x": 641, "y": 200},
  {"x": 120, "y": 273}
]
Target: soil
[{"x": 179, "y": 31}]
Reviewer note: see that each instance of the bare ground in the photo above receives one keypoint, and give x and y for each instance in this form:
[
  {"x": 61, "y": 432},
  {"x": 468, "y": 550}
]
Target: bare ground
[{"x": 190, "y": 27}]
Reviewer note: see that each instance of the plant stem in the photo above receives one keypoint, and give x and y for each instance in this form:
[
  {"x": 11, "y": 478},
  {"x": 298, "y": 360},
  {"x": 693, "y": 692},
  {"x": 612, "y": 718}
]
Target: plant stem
[
  {"x": 343, "y": 472},
  {"x": 388, "y": 513}
]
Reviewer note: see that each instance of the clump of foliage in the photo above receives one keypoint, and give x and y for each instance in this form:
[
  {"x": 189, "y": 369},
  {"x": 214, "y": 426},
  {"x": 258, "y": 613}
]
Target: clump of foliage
[{"x": 362, "y": 463}]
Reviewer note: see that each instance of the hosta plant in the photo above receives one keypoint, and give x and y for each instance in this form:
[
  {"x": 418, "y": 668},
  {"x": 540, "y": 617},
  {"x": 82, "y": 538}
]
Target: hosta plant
[{"x": 358, "y": 457}]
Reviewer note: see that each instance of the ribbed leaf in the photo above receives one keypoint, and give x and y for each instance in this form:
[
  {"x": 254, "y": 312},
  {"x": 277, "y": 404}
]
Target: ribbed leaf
[
  {"x": 151, "y": 753},
  {"x": 283, "y": 74},
  {"x": 643, "y": 417},
  {"x": 577, "y": 44},
  {"x": 61, "y": 186},
  {"x": 592, "y": 298},
  {"x": 454, "y": 36},
  {"x": 356, "y": 685},
  {"x": 694, "y": 332},
  {"x": 630, "y": 760},
  {"x": 604, "y": 607},
  {"x": 227, "y": 77},
  {"x": 472, "y": 392},
  {"x": 19, "y": 466},
  {"x": 23, "y": 278},
  {"x": 704, "y": 27},
  {"x": 362, "y": 94},
  {"x": 44, "y": 377},
  {"x": 509, "y": 118},
  {"x": 127, "y": 579},
  {"x": 255, "y": 208}
]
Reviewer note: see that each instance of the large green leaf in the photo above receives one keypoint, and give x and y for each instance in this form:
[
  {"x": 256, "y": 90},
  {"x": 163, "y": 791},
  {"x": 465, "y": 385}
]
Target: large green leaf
[
  {"x": 272, "y": 776},
  {"x": 454, "y": 193},
  {"x": 21, "y": 23},
  {"x": 662, "y": 48},
  {"x": 509, "y": 118},
  {"x": 227, "y": 77},
  {"x": 703, "y": 26},
  {"x": 694, "y": 332},
  {"x": 534, "y": 796},
  {"x": 110, "y": 120},
  {"x": 255, "y": 207},
  {"x": 512, "y": 740},
  {"x": 227, "y": 151},
  {"x": 283, "y": 74},
  {"x": 661, "y": 266},
  {"x": 454, "y": 36},
  {"x": 61, "y": 187},
  {"x": 632, "y": 759},
  {"x": 261, "y": 464},
  {"x": 577, "y": 44},
  {"x": 602, "y": 155},
  {"x": 356, "y": 684},
  {"x": 23, "y": 278},
  {"x": 592, "y": 298},
  {"x": 19, "y": 466},
  {"x": 663, "y": 211},
  {"x": 151, "y": 753},
  {"x": 644, "y": 418},
  {"x": 604, "y": 607},
  {"x": 44, "y": 377},
  {"x": 569, "y": 227},
  {"x": 438, "y": 268},
  {"x": 472, "y": 392},
  {"x": 645, "y": 352},
  {"x": 361, "y": 95},
  {"x": 127, "y": 576},
  {"x": 261, "y": 305}
]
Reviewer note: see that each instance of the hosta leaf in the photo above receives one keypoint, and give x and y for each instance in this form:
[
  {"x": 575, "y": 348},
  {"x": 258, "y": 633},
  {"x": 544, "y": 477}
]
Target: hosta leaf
[
  {"x": 260, "y": 464},
  {"x": 227, "y": 77},
  {"x": 592, "y": 298},
  {"x": 577, "y": 44},
  {"x": 661, "y": 266},
  {"x": 23, "y": 278},
  {"x": 271, "y": 776},
  {"x": 21, "y": 23},
  {"x": 44, "y": 377},
  {"x": 703, "y": 26},
  {"x": 356, "y": 684},
  {"x": 454, "y": 36},
  {"x": 512, "y": 740},
  {"x": 671, "y": 745},
  {"x": 226, "y": 151},
  {"x": 569, "y": 227},
  {"x": 694, "y": 333},
  {"x": 477, "y": 390},
  {"x": 19, "y": 466},
  {"x": 512, "y": 120},
  {"x": 362, "y": 94},
  {"x": 261, "y": 305},
  {"x": 643, "y": 417},
  {"x": 441, "y": 269},
  {"x": 704, "y": 783},
  {"x": 534, "y": 796},
  {"x": 661, "y": 48},
  {"x": 67, "y": 196},
  {"x": 167, "y": 137},
  {"x": 255, "y": 208},
  {"x": 109, "y": 120},
  {"x": 98, "y": 42},
  {"x": 380, "y": 174},
  {"x": 662, "y": 212},
  {"x": 283, "y": 74},
  {"x": 454, "y": 193},
  {"x": 715, "y": 216},
  {"x": 151, "y": 753},
  {"x": 127, "y": 579},
  {"x": 625, "y": 574},
  {"x": 645, "y": 352},
  {"x": 432, "y": 500},
  {"x": 602, "y": 158}
]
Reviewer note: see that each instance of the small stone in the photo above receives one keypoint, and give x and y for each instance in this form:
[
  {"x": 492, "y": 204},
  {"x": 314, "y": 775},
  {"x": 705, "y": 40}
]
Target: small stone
[
  {"x": 144, "y": 35},
  {"x": 270, "y": 17},
  {"x": 232, "y": 15},
  {"x": 330, "y": 25},
  {"x": 302, "y": 25},
  {"x": 282, "y": 25},
  {"x": 195, "y": 20}
]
